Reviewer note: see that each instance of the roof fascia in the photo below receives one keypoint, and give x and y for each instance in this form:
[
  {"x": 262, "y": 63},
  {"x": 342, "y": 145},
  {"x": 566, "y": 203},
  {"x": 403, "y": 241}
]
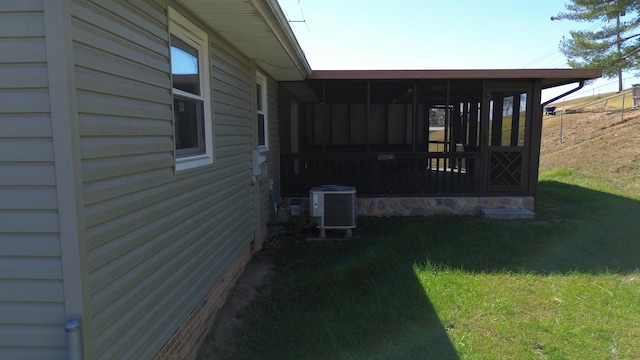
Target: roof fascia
[{"x": 553, "y": 77}]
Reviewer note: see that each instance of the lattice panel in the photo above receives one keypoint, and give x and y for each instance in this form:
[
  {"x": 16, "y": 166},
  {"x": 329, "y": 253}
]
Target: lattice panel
[{"x": 505, "y": 169}]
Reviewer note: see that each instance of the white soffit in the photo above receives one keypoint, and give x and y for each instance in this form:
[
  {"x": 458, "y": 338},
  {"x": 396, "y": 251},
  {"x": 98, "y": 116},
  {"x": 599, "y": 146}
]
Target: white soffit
[{"x": 259, "y": 30}]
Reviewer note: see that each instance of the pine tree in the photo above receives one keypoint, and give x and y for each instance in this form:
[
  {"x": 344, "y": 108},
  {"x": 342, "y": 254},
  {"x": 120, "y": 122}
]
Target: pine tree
[{"x": 615, "y": 47}]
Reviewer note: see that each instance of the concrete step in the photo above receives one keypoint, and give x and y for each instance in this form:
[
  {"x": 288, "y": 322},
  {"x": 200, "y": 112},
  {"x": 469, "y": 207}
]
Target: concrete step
[{"x": 507, "y": 214}]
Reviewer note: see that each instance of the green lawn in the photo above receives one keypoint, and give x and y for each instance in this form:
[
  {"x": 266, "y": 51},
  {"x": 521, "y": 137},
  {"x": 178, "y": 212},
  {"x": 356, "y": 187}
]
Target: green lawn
[{"x": 565, "y": 286}]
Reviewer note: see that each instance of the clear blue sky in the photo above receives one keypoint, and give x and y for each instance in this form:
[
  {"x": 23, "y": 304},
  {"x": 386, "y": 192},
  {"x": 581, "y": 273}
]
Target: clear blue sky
[{"x": 436, "y": 34}]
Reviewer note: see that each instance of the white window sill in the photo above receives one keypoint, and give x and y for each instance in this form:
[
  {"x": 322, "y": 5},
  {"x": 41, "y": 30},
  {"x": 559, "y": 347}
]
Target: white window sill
[{"x": 192, "y": 162}]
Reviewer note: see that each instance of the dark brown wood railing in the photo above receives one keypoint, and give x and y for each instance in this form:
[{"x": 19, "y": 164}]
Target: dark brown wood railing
[{"x": 382, "y": 173}]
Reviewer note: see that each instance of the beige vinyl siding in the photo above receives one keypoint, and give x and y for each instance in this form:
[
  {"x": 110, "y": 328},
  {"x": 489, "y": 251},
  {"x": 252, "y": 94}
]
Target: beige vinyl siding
[
  {"x": 157, "y": 241},
  {"x": 32, "y": 313},
  {"x": 274, "y": 134},
  {"x": 267, "y": 197}
]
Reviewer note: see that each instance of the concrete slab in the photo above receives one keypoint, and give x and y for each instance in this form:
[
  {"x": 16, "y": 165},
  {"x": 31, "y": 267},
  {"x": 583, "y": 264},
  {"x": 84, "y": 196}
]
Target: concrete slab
[
  {"x": 507, "y": 214},
  {"x": 327, "y": 239}
]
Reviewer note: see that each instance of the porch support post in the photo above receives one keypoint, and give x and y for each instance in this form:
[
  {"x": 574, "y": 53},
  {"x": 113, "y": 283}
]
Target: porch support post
[
  {"x": 456, "y": 125},
  {"x": 368, "y": 114},
  {"x": 483, "y": 178},
  {"x": 325, "y": 122},
  {"x": 534, "y": 140},
  {"x": 386, "y": 124},
  {"x": 447, "y": 121},
  {"x": 496, "y": 122},
  {"x": 414, "y": 135},
  {"x": 515, "y": 119},
  {"x": 473, "y": 123},
  {"x": 427, "y": 125},
  {"x": 465, "y": 122}
]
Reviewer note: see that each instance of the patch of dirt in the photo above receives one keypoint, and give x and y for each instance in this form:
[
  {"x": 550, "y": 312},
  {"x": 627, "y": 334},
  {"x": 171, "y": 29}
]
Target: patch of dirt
[
  {"x": 256, "y": 274},
  {"x": 253, "y": 282}
]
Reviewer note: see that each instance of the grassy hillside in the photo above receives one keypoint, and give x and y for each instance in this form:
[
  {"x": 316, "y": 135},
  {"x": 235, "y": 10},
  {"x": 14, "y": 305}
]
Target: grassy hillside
[
  {"x": 601, "y": 102},
  {"x": 595, "y": 144}
]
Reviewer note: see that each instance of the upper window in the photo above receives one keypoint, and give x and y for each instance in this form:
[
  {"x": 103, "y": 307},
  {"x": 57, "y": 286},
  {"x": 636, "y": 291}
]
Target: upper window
[
  {"x": 192, "y": 118},
  {"x": 261, "y": 109}
]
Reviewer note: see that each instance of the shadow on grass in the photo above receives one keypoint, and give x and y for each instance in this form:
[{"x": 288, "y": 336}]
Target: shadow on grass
[
  {"x": 361, "y": 299},
  {"x": 344, "y": 300},
  {"x": 576, "y": 230}
]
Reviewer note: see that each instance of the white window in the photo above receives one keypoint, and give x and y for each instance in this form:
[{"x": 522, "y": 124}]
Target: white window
[
  {"x": 261, "y": 109},
  {"x": 192, "y": 119}
]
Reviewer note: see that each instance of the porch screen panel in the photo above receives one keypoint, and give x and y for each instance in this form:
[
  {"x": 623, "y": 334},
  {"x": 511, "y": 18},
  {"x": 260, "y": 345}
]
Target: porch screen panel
[
  {"x": 358, "y": 124},
  {"x": 519, "y": 122},
  {"x": 308, "y": 124},
  {"x": 421, "y": 139},
  {"x": 317, "y": 124},
  {"x": 436, "y": 132},
  {"x": 464, "y": 122},
  {"x": 495, "y": 120},
  {"x": 508, "y": 115},
  {"x": 474, "y": 124},
  {"x": 397, "y": 124},
  {"x": 340, "y": 126},
  {"x": 408, "y": 124},
  {"x": 455, "y": 125},
  {"x": 508, "y": 119},
  {"x": 377, "y": 124}
]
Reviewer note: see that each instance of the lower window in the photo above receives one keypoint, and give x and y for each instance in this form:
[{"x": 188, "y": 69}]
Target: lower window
[{"x": 188, "y": 116}]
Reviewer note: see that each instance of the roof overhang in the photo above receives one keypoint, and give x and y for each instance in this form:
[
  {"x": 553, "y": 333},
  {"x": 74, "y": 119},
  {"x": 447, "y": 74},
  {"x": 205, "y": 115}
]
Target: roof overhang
[
  {"x": 347, "y": 84},
  {"x": 259, "y": 29},
  {"x": 549, "y": 77}
]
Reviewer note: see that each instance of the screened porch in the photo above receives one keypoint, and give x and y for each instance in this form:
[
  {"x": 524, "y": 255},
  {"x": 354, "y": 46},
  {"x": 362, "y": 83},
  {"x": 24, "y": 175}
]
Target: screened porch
[{"x": 405, "y": 133}]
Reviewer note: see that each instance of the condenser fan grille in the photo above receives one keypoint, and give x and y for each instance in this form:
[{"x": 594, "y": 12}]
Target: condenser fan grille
[
  {"x": 339, "y": 210},
  {"x": 333, "y": 206}
]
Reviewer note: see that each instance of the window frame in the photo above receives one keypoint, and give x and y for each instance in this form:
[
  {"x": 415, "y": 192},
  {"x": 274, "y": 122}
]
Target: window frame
[
  {"x": 262, "y": 99},
  {"x": 192, "y": 35}
]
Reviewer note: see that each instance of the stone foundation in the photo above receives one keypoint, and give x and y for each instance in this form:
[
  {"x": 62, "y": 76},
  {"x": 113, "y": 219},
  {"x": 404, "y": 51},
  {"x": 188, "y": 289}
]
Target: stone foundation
[
  {"x": 417, "y": 206},
  {"x": 186, "y": 341},
  {"x": 426, "y": 206}
]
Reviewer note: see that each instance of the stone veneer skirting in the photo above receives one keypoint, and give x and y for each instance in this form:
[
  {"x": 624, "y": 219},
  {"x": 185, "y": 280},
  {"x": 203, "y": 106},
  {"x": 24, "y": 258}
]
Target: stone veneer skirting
[
  {"x": 426, "y": 206},
  {"x": 420, "y": 206},
  {"x": 186, "y": 341}
]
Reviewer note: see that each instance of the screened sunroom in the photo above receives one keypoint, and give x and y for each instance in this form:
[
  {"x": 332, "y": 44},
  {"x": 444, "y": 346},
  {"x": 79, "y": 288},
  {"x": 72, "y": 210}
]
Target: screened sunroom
[{"x": 417, "y": 133}]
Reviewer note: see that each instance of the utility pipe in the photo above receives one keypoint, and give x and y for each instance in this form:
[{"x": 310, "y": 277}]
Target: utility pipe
[{"x": 74, "y": 343}]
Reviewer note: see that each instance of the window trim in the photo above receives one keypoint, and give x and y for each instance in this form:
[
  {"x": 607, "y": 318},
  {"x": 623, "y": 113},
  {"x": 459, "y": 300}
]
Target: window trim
[
  {"x": 261, "y": 80},
  {"x": 187, "y": 31}
]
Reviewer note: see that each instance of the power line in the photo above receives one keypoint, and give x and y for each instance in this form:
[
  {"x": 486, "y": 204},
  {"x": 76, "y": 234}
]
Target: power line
[
  {"x": 556, "y": 51},
  {"x": 540, "y": 58},
  {"x": 302, "y": 20},
  {"x": 554, "y": 60}
]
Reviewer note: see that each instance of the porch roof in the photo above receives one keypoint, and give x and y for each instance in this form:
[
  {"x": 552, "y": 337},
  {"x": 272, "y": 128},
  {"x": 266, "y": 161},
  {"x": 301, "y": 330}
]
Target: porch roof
[{"x": 550, "y": 77}]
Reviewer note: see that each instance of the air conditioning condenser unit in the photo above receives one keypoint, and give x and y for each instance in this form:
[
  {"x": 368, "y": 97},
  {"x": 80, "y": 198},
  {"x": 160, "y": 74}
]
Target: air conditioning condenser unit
[{"x": 333, "y": 207}]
